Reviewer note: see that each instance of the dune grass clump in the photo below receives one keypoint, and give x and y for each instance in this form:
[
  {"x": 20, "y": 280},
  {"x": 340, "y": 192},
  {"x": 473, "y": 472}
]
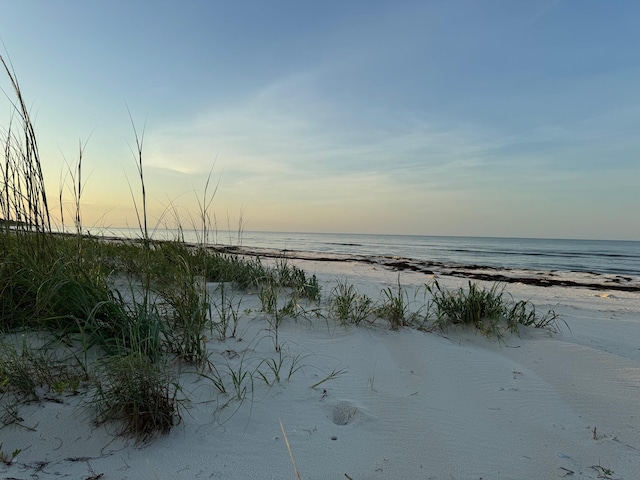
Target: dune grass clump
[
  {"x": 187, "y": 318},
  {"x": 490, "y": 311},
  {"x": 348, "y": 305},
  {"x": 287, "y": 285},
  {"x": 245, "y": 273},
  {"x": 56, "y": 294},
  {"x": 481, "y": 308},
  {"x": 296, "y": 279},
  {"x": 137, "y": 394},
  {"x": 395, "y": 307}
]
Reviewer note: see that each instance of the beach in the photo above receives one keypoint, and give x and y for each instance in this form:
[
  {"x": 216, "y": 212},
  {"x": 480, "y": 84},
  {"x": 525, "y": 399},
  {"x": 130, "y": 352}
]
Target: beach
[
  {"x": 369, "y": 402},
  {"x": 339, "y": 241}
]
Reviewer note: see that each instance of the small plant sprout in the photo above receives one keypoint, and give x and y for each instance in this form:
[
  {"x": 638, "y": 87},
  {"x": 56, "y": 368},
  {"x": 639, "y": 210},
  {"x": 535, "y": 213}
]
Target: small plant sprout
[
  {"x": 282, "y": 366},
  {"x": 274, "y": 365},
  {"x": 372, "y": 379},
  {"x": 7, "y": 458},
  {"x": 603, "y": 472},
  {"x": 294, "y": 366},
  {"x": 242, "y": 381},
  {"x": 333, "y": 375}
]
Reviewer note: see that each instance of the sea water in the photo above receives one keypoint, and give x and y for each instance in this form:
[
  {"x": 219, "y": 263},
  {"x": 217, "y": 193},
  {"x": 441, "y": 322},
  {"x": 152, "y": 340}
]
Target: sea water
[{"x": 596, "y": 256}]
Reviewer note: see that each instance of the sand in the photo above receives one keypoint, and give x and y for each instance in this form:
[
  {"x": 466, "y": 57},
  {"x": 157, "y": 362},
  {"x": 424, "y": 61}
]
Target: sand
[{"x": 406, "y": 405}]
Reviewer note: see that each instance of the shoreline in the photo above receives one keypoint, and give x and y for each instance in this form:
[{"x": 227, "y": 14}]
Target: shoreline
[{"x": 569, "y": 279}]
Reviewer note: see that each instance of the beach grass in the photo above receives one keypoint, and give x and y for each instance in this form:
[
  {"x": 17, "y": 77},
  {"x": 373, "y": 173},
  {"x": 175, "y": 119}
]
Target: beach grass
[
  {"x": 138, "y": 395},
  {"x": 489, "y": 310},
  {"x": 348, "y": 305},
  {"x": 395, "y": 307}
]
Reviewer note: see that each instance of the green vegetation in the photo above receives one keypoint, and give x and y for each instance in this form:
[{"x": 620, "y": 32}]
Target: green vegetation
[
  {"x": 137, "y": 393},
  {"x": 490, "y": 311},
  {"x": 395, "y": 307},
  {"x": 348, "y": 305},
  {"x": 7, "y": 458},
  {"x": 117, "y": 322}
]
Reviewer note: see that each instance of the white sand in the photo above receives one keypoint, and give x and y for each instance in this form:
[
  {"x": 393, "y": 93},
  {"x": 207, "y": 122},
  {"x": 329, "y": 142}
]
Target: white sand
[{"x": 410, "y": 405}]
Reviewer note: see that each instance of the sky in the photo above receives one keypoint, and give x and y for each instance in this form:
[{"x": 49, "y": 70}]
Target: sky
[{"x": 493, "y": 118}]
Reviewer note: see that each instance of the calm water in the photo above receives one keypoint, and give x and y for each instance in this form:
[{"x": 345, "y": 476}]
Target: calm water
[{"x": 597, "y": 256}]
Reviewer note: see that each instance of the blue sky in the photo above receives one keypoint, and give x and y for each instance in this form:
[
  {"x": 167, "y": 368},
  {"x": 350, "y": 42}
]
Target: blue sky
[{"x": 478, "y": 117}]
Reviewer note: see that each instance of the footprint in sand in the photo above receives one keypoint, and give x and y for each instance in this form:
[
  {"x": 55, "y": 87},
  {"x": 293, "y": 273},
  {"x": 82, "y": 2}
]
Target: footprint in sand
[{"x": 344, "y": 413}]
